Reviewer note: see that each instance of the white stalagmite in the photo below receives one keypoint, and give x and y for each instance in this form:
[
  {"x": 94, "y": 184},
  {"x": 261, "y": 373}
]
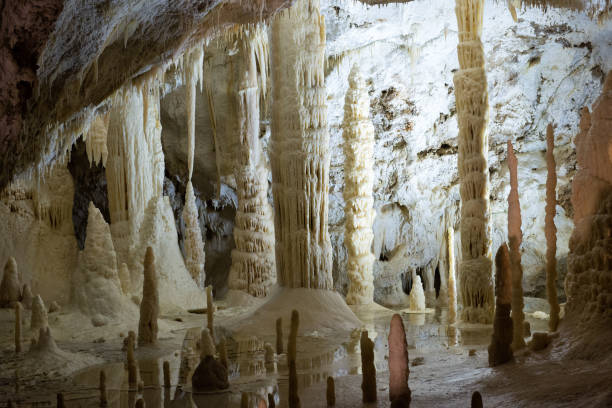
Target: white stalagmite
[
  {"x": 253, "y": 267},
  {"x": 300, "y": 148},
  {"x": 358, "y": 176},
  {"x": 193, "y": 244},
  {"x": 417, "y": 295},
  {"x": 475, "y": 273}
]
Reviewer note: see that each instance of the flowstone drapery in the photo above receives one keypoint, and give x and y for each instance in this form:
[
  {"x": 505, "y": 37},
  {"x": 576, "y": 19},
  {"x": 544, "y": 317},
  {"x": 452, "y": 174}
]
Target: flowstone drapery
[
  {"x": 471, "y": 96},
  {"x": 358, "y": 175},
  {"x": 300, "y": 148}
]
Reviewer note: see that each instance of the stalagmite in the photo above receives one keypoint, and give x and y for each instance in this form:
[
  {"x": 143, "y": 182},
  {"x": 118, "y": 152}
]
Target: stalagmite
[
  {"x": 103, "y": 396},
  {"x": 417, "y": 296},
  {"x": 294, "y": 398},
  {"x": 330, "y": 393},
  {"x": 192, "y": 242},
  {"x": 167, "y": 383},
  {"x": 399, "y": 369},
  {"x": 300, "y": 148},
  {"x": 253, "y": 267},
  {"x": 149, "y": 306},
  {"x": 476, "y": 400},
  {"x": 499, "y": 350},
  {"x": 471, "y": 97},
  {"x": 207, "y": 345},
  {"x": 279, "y": 335},
  {"x": 368, "y": 382},
  {"x": 45, "y": 343},
  {"x": 124, "y": 278},
  {"x": 131, "y": 363},
  {"x": 452, "y": 286},
  {"x": 358, "y": 134},
  {"x": 515, "y": 238},
  {"x": 39, "y": 317},
  {"x": 18, "y": 309},
  {"x": 26, "y": 296},
  {"x": 550, "y": 230},
  {"x": 10, "y": 289},
  {"x": 210, "y": 310}
]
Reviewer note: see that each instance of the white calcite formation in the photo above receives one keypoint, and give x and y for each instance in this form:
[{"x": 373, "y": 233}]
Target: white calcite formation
[
  {"x": 475, "y": 276},
  {"x": 95, "y": 140},
  {"x": 300, "y": 148},
  {"x": 358, "y": 175},
  {"x": 253, "y": 267},
  {"x": 192, "y": 242},
  {"x": 417, "y": 295}
]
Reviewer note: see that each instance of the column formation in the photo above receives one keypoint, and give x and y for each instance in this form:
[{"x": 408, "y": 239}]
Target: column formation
[
  {"x": 300, "y": 148},
  {"x": 476, "y": 283},
  {"x": 358, "y": 179}
]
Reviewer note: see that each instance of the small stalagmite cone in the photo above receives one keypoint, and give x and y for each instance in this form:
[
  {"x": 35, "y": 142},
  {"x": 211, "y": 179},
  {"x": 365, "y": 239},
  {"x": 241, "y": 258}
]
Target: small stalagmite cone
[
  {"x": 60, "y": 400},
  {"x": 131, "y": 362},
  {"x": 149, "y": 307},
  {"x": 18, "y": 309},
  {"x": 294, "y": 398},
  {"x": 210, "y": 310},
  {"x": 331, "y": 392},
  {"x": 103, "y": 397},
  {"x": 279, "y": 335},
  {"x": 368, "y": 383},
  {"x": 167, "y": 383},
  {"x": 476, "y": 400}
]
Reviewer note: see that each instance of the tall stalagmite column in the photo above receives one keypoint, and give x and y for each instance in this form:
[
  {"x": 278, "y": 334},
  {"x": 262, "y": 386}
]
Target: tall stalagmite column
[
  {"x": 476, "y": 283},
  {"x": 550, "y": 230},
  {"x": 358, "y": 175},
  {"x": 300, "y": 148},
  {"x": 253, "y": 265},
  {"x": 515, "y": 237}
]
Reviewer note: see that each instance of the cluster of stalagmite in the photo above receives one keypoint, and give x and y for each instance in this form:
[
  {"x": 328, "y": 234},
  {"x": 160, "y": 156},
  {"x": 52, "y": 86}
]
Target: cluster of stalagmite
[
  {"x": 515, "y": 237},
  {"x": 300, "y": 148},
  {"x": 253, "y": 267},
  {"x": 193, "y": 244},
  {"x": 471, "y": 96},
  {"x": 550, "y": 230},
  {"x": 588, "y": 285},
  {"x": 499, "y": 350},
  {"x": 149, "y": 306},
  {"x": 358, "y": 134},
  {"x": 399, "y": 369}
]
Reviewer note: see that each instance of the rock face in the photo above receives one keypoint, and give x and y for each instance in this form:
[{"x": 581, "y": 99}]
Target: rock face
[
  {"x": 472, "y": 112},
  {"x": 550, "y": 230},
  {"x": 500, "y": 350},
  {"x": 358, "y": 170},
  {"x": 588, "y": 285},
  {"x": 299, "y": 153},
  {"x": 10, "y": 289},
  {"x": 399, "y": 369},
  {"x": 149, "y": 306}
]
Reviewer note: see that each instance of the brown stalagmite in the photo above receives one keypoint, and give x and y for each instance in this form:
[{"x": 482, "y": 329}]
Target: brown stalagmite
[
  {"x": 279, "y": 335},
  {"x": 294, "y": 398},
  {"x": 331, "y": 392},
  {"x": 18, "y": 309},
  {"x": 210, "y": 310},
  {"x": 515, "y": 237},
  {"x": 103, "y": 397},
  {"x": 399, "y": 369},
  {"x": 10, "y": 290},
  {"x": 167, "y": 382},
  {"x": 476, "y": 283},
  {"x": 368, "y": 382},
  {"x": 551, "y": 230},
  {"x": 500, "y": 350},
  {"x": 149, "y": 306},
  {"x": 131, "y": 363}
]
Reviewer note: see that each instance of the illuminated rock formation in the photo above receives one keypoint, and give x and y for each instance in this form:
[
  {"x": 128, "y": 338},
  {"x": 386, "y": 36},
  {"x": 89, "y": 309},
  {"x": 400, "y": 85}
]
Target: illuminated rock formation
[
  {"x": 149, "y": 305},
  {"x": 39, "y": 319},
  {"x": 550, "y": 230},
  {"x": 193, "y": 244},
  {"x": 294, "y": 398},
  {"x": 515, "y": 238},
  {"x": 499, "y": 350},
  {"x": 476, "y": 283},
  {"x": 358, "y": 134},
  {"x": 368, "y": 382},
  {"x": 587, "y": 285},
  {"x": 10, "y": 289},
  {"x": 399, "y": 369},
  {"x": 299, "y": 148},
  {"x": 417, "y": 296}
]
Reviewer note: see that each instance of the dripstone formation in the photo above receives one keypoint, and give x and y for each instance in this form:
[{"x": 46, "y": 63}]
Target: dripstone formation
[{"x": 500, "y": 350}]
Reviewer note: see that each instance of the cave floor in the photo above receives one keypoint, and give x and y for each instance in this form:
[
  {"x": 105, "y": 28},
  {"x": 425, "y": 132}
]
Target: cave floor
[{"x": 443, "y": 374}]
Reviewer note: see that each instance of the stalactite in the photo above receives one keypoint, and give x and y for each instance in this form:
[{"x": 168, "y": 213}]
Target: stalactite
[
  {"x": 368, "y": 382},
  {"x": 294, "y": 398},
  {"x": 358, "y": 134},
  {"x": 452, "y": 286},
  {"x": 515, "y": 238},
  {"x": 499, "y": 350},
  {"x": 53, "y": 196},
  {"x": 193, "y": 73},
  {"x": 550, "y": 230},
  {"x": 253, "y": 267},
  {"x": 299, "y": 148},
  {"x": 95, "y": 141},
  {"x": 399, "y": 369},
  {"x": 10, "y": 289},
  {"x": 476, "y": 283},
  {"x": 149, "y": 306},
  {"x": 192, "y": 242}
]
